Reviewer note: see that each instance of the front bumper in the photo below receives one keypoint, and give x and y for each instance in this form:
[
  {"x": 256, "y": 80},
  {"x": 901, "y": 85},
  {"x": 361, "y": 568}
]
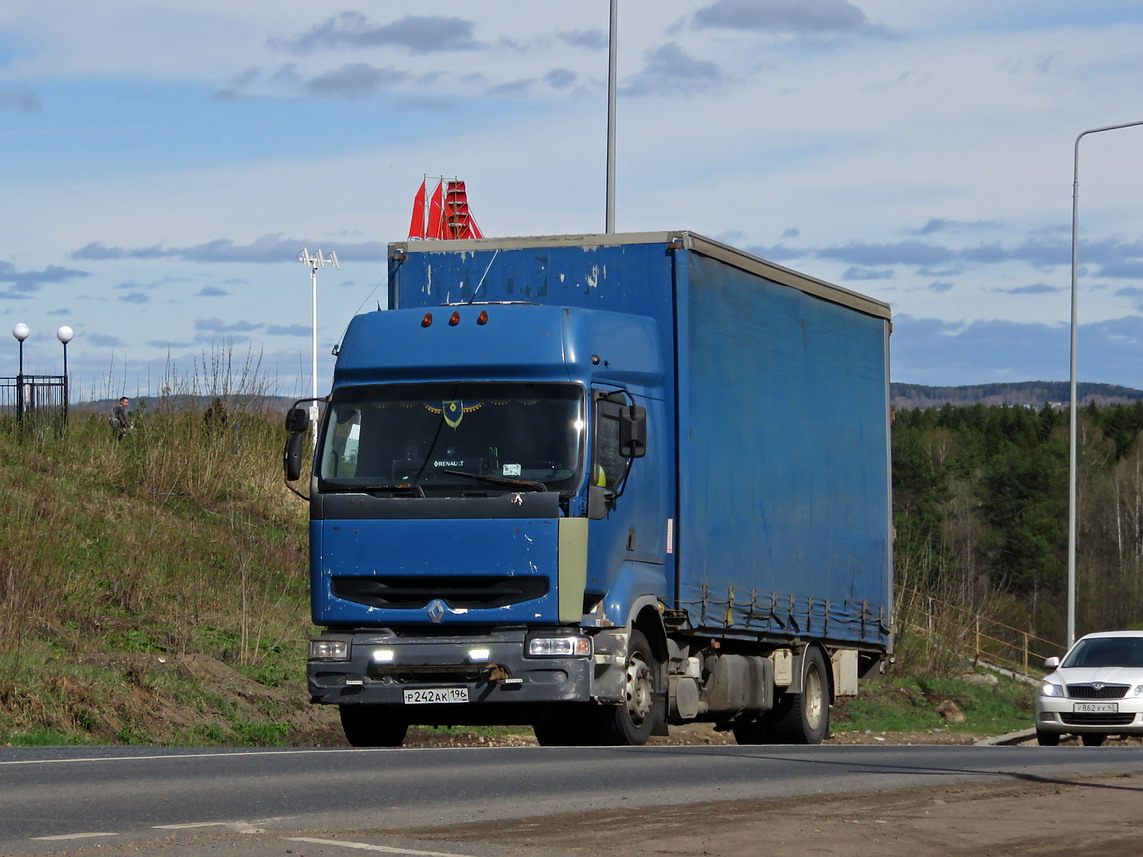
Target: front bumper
[
  {"x": 1062, "y": 715},
  {"x": 501, "y": 674}
]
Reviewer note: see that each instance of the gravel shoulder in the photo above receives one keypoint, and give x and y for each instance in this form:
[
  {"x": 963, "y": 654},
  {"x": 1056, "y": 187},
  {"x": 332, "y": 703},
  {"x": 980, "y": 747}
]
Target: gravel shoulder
[{"x": 1079, "y": 816}]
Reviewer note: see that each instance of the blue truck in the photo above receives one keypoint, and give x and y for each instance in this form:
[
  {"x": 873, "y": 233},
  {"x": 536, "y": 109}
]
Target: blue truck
[{"x": 600, "y": 485}]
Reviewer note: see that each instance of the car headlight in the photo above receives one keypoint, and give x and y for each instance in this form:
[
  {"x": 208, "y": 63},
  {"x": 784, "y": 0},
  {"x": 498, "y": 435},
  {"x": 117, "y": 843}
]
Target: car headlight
[
  {"x": 569, "y": 646},
  {"x": 1138, "y": 690},
  {"x": 329, "y": 650},
  {"x": 1050, "y": 688}
]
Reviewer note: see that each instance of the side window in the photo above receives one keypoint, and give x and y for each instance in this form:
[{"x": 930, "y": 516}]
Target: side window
[{"x": 607, "y": 464}]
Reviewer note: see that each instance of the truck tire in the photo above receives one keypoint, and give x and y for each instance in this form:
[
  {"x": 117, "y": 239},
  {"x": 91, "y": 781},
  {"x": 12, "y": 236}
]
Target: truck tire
[
  {"x": 629, "y": 723},
  {"x": 1047, "y": 739},
  {"x": 803, "y": 718},
  {"x": 372, "y": 726},
  {"x": 1092, "y": 739}
]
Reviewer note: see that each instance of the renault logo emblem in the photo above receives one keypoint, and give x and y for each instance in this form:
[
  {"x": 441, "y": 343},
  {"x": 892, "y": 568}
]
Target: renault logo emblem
[{"x": 436, "y": 611}]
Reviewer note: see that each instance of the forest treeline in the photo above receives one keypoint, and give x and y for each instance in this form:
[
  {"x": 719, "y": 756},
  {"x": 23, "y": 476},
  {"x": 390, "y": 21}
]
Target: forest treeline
[{"x": 981, "y": 509}]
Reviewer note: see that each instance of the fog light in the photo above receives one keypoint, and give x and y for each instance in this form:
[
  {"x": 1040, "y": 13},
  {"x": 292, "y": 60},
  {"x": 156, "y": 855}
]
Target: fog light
[
  {"x": 479, "y": 654},
  {"x": 383, "y": 656},
  {"x": 329, "y": 650},
  {"x": 559, "y": 647}
]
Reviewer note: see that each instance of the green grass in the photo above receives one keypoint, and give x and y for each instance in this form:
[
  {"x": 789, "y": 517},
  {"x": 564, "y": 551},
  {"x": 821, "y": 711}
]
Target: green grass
[
  {"x": 911, "y": 704},
  {"x": 154, "y": 590}
]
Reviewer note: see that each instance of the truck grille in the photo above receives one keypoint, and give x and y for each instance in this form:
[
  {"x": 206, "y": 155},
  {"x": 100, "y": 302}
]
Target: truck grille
[
  {"x": 407, "y": 592},
  {"x": 1088, "y": 691}
]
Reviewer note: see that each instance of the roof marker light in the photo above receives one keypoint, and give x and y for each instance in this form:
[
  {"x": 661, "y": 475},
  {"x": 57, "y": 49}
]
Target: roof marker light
[
  {"x": 454, "y": 319},
  {"x": 427, "y": 320},
  {"x": 483, "y": 317}
]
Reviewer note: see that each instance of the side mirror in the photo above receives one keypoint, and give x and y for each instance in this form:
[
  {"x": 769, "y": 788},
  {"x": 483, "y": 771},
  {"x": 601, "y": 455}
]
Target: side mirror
[
  {"x": 292, "y": 456},
  {"x": 1051, "y": 663},
  {"x": 296, "y": 420},
  {"x": 633, "y": 432}
]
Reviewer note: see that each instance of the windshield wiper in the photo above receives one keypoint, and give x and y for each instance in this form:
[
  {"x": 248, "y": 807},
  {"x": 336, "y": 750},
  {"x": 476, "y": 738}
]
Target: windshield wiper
[{"x": 496, "y": 480}]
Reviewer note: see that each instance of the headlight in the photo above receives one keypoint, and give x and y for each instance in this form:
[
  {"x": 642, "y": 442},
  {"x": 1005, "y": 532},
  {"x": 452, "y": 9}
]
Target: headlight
[
  {"x": 329, "y": 650},
  {"x": 1048, "y": 688},
  {"x": 1138, "y": 690},
  {"x": 559, "y": 647}
]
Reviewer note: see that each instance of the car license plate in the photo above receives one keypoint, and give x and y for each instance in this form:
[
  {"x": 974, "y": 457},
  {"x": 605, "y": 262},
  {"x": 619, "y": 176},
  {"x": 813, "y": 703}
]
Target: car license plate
[
  {"x": 436, "y": 695},
  {"x": 1091, "y": 707}
]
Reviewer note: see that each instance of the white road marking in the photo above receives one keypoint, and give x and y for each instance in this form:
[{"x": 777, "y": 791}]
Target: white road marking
[
  {"x": 73, "y": 836},
  {"x": 189, "y": 825},
  {"x": 365, "y": 846}
]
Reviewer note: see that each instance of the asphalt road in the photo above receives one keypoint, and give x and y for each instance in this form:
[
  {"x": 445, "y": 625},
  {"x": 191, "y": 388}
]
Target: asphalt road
[{"x": 334, "y": 801}]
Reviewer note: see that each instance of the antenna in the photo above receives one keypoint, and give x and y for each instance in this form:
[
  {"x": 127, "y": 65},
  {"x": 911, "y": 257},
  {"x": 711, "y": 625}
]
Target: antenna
[{"x": 313, "y": 263}]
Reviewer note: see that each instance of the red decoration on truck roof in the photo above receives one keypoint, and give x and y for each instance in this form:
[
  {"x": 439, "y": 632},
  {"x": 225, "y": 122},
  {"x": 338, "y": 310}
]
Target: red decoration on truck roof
[{"x": 445, "y": 215}]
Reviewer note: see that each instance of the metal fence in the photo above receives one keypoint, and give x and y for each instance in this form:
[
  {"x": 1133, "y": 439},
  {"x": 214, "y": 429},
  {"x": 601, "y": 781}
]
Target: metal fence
[{"x": 38, "y": 398}]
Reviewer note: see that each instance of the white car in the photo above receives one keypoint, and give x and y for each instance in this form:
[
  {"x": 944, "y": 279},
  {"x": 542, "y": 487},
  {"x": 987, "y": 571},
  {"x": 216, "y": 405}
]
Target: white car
[{"x": 1095, "y": 691}]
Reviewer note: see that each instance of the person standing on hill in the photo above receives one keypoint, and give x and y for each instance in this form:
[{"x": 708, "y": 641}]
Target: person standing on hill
[{"x": 121, "y": 418}]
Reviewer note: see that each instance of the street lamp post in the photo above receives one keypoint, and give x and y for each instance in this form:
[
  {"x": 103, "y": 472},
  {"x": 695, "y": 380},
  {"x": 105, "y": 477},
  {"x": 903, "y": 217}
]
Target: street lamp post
[
  {"x": 609, "y": 219},
  {"x": 313, "y": 263},
  {"x": 1073, "y": 403},
  {"x": 65, "y": 335},
  {"x": 21, "y": 331}
]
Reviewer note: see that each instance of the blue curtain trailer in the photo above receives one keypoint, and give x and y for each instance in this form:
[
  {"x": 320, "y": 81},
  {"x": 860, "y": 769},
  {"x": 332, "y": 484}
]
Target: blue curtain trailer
[{"x": 599, "y": 485}]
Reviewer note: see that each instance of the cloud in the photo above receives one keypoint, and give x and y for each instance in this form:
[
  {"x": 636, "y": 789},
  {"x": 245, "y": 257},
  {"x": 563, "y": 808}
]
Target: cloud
[
  {"x": 135, "y": 298},
  {"x": 855, "y": 273},
  {"x": 933, "y": 351},
  {"x": 595, "y": 40},
  {"x": 268, "y": 248},
  {"x": 671, "y": 70},
  {"x": 898, "y": 253},
  {"x": 211, "y": 292},
  {"x": 786, "y": 16},
  {"x": 1031, "y": 289},
  {"x": 353, "y": 81},
  {"x": 939, "y": 286},
  {"x": 419, "y": 35},
  {"x": 20, "y": 101},
  {"x": 560, "y": 78},
  {"x": 287, "y": 330},
  {"x": 513, "y": 87},
  {"x": 940, "y": 224},
  {"x": 103, "y": 340},
  {"x": 217, "y": 325},
  {"x": 33, "y": 281}
]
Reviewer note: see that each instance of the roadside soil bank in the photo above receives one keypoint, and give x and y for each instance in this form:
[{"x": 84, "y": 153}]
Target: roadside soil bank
[{"x": 1027, "y": 817}]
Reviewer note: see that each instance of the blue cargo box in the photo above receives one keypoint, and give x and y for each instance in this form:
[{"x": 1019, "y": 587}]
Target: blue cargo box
[{"x": 781, "y": 521}]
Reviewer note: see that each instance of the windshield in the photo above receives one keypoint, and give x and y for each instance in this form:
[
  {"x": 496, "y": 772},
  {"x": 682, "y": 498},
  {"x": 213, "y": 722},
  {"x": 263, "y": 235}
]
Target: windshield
[
  {"x": 1107, "y": 652},
  {"x": 470, "y": 438}
]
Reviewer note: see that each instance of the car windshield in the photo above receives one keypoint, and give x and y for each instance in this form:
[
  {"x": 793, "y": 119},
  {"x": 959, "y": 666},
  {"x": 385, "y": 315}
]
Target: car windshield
[
  {"x": 454, "y": 438},
  {"x": 1106, "y": 652}
]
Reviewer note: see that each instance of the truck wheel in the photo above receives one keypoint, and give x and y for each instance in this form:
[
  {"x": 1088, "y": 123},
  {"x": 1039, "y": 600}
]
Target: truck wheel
[
  {"x": 372, "y": 726},
  {"x": 629, "y": 723},
  {"x": 1092, "y": 739},
  {"x": 803, "y": 718},
  {"x": 1047, "y": 739}
]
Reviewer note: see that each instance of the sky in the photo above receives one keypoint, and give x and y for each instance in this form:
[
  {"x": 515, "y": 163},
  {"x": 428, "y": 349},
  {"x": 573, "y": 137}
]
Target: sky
[{"x": 163, "y": 164}]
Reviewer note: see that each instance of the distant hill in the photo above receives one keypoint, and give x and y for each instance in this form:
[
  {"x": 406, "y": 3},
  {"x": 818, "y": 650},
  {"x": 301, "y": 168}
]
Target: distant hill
[{"x": 1032, "y": 394}]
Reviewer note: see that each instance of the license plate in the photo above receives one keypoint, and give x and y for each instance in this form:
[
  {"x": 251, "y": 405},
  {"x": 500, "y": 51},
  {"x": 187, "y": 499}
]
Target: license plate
[
  {"x": 436, "y": 695},
  {"x": 1092, "y": 707}
]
